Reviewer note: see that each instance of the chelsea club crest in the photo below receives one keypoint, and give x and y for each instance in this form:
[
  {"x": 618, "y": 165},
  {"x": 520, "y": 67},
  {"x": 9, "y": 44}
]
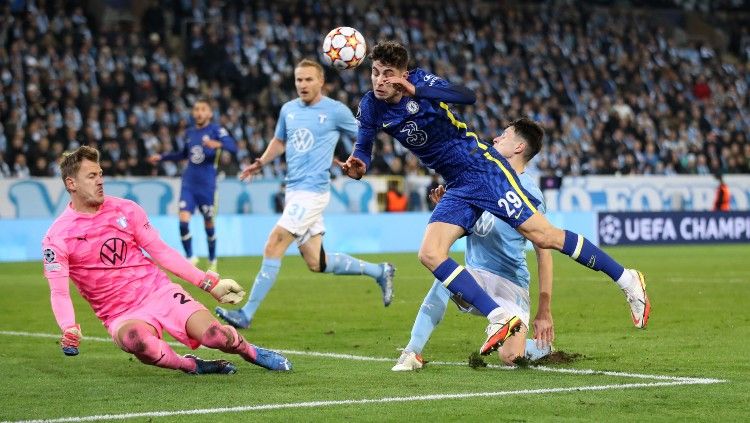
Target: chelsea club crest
[{"x": 412, "y": 107}]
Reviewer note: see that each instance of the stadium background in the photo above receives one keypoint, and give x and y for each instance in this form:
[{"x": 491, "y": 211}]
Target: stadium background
[{"x": 642, "y": 102}]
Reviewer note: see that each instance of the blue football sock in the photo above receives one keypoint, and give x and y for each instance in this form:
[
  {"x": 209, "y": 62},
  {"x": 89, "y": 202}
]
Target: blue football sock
[
  {"x": 460, "y": 282},
  {"x": 211, "y": 236},
  {"x": 342, "y": 264},
  {"x": 263, "y": 282},
  {"x": 583, "y": 251},
  {"x": 186, "y": 238},
  {"x": 430, "y": 314}
]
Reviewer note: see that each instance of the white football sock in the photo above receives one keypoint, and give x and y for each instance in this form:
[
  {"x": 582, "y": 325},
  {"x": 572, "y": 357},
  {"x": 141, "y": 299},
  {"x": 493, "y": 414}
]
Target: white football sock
[{"x": 627, "y": 280}]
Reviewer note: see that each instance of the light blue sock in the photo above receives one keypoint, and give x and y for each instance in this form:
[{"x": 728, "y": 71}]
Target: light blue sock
[
  {"x": 534, "y": 353},
  {"x": 430, "y": 314},
  {"x": 263, "y": 283},
  {"x": 343, "y": 264}
]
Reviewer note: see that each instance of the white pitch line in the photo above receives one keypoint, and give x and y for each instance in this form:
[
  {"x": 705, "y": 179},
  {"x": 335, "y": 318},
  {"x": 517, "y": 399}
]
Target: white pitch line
[
  {"x": 314, "y": 404},
  {"x": 438, "y": 363}
]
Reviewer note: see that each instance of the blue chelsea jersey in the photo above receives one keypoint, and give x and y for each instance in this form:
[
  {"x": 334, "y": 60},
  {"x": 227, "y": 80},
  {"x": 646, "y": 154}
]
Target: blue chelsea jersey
[
  {"x": 426, "y": 127},
  {"x": 496, "y": 247},
  {"x": 202, "y": 161},
  {"x": 310, "y": 134}
]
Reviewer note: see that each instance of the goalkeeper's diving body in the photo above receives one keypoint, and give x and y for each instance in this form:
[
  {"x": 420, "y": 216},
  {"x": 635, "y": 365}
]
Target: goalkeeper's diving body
[{"x": 98, "y": 242}]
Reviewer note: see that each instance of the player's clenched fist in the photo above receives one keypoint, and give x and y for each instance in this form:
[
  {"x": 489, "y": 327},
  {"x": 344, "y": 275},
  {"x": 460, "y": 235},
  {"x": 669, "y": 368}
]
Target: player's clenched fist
[
  {"x": 71, "y": 339},
  {"x": 354, "y": 168},
  {"x": 226, "y": 291}
]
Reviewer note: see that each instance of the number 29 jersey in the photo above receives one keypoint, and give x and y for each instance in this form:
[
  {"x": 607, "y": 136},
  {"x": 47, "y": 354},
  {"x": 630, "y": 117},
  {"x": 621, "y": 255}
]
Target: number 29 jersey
[
  {"x": 478, "y": 178},
  {"x": 428, "y": 128}
]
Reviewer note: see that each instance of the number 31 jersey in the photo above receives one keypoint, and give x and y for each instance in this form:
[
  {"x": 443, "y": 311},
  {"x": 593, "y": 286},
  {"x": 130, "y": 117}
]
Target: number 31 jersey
[{"x": 310, "y": 134}]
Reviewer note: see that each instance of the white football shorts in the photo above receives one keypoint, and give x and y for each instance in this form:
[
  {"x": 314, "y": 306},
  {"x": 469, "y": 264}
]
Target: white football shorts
[
  {"x": 303, "y": 214},
  {"x": 506, "y": 294}
]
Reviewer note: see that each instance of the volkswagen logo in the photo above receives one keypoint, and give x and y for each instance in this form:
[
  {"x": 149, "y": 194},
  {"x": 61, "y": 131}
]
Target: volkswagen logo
[
  {"x": 484, "y": 225},
  {"x": 302, "y": 139},
  {"x": 114, "y": 251}
]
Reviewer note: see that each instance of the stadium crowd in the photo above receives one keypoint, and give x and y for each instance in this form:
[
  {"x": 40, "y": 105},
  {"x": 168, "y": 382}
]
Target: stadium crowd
[{"x": 619, "y": 91}]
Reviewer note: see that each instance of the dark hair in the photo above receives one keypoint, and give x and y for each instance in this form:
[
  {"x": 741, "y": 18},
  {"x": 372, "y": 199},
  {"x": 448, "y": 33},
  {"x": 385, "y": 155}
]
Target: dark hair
[
  {"x": 390, "y": 53},
  {"x": 531, "y": 132},
  {"x": 71, "y": 161}
]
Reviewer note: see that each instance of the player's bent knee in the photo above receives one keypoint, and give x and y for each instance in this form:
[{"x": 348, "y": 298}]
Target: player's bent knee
[
  {"x": 542, "y": 239},
  {"x": 430, "y": 257},
  {"x": 138, "y": 341},
  {"x": 313, "y": 264},
  {"x": 133, "y": 341},
  {"x": 219, "y": 336}
]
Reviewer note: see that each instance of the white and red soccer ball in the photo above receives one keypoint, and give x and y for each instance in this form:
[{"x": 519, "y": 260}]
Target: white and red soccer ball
[{"x": 344, "y": 48}]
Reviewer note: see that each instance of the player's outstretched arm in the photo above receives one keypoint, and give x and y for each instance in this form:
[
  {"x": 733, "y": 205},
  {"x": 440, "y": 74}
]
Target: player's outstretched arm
[
  {"x": 454, "y": 94},
  {"x": 169, "y": 157},
  {"x": 62, "y": 308},
  {"x": 434, "y": 88},
  {"x": 275, "y": 148},
  {"x": 224, "y": 290},
  {"x": 544, "y": 328}
]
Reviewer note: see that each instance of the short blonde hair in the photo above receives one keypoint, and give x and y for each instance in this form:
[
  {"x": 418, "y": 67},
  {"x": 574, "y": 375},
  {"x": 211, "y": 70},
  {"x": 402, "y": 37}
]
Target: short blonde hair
[
  {"x": 71, "y": 160},
  {"x": 312, "y": 64}
]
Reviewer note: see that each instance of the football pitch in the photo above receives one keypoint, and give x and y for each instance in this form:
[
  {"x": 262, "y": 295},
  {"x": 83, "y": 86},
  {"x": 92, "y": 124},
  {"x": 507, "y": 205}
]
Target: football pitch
[{"x": 691, "y": 364}]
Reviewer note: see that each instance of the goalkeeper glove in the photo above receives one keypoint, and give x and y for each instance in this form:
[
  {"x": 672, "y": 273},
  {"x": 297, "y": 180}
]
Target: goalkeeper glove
[
  {"x": 224, "y": 290},
  {"x": 70, "y": 340}
]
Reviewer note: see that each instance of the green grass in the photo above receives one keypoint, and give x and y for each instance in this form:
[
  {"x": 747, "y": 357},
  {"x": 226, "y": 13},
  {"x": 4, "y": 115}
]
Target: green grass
[{"x": 700, "y": 327}]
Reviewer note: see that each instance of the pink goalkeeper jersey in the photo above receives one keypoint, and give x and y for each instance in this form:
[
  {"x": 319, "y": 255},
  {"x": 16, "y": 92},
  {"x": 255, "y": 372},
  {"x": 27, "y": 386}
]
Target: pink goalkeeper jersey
[{"x": 101, "y": 253}]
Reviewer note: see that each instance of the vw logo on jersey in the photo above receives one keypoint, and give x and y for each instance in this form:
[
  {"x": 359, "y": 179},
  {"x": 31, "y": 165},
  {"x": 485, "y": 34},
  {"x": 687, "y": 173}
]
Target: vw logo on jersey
[
  {"x": 412, "y": 107},
  {"x": 484, "y": 225},
  {"x": 610, "y": 229},
  {"x": 114, "y": 251},
  {"x": 302, "y": 139},
  {"x": 197, "y": 155}
]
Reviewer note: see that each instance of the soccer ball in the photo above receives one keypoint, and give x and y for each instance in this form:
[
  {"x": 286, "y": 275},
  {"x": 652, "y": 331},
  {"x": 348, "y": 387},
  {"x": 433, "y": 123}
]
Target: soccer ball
[{"x": 344, "y": 48}]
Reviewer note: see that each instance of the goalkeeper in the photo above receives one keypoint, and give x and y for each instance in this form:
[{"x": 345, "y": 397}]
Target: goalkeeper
[{"x": 99, "y": 242}]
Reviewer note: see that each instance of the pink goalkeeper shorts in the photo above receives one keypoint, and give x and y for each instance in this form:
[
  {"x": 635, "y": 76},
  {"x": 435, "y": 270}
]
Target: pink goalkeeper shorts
[{"x": 169, "y": 308}]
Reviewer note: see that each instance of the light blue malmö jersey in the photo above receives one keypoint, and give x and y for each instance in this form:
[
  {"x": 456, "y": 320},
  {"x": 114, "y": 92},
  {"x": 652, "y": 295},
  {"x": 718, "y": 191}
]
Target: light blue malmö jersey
[
  {"x": 496, "y": 247},
  {"x": 310, "y": 134}
]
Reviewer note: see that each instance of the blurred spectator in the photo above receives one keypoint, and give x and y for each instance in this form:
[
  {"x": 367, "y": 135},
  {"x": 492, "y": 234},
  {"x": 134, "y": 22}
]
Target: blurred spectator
[
  {"x": 20, "y": 169},
  {"x": 279, "y": 199},
  {"x": 5, "y": 171},
  {"x": 395, "y": 200},
  {"x": 618, "y": 90},
  {"x": 721, "y": 201}
]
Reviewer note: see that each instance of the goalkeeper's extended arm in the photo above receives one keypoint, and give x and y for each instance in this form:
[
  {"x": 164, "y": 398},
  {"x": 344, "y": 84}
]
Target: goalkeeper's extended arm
[
  {"x": 62, "y": 308},
  {"x": 224, "y": 290}
]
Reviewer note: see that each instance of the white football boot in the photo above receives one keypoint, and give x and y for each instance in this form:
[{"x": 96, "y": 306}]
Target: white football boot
[
  {"x": 640, "y": 306},
  {"x": 408, "y": 361},
  {"x": 499, "y": 331}
]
